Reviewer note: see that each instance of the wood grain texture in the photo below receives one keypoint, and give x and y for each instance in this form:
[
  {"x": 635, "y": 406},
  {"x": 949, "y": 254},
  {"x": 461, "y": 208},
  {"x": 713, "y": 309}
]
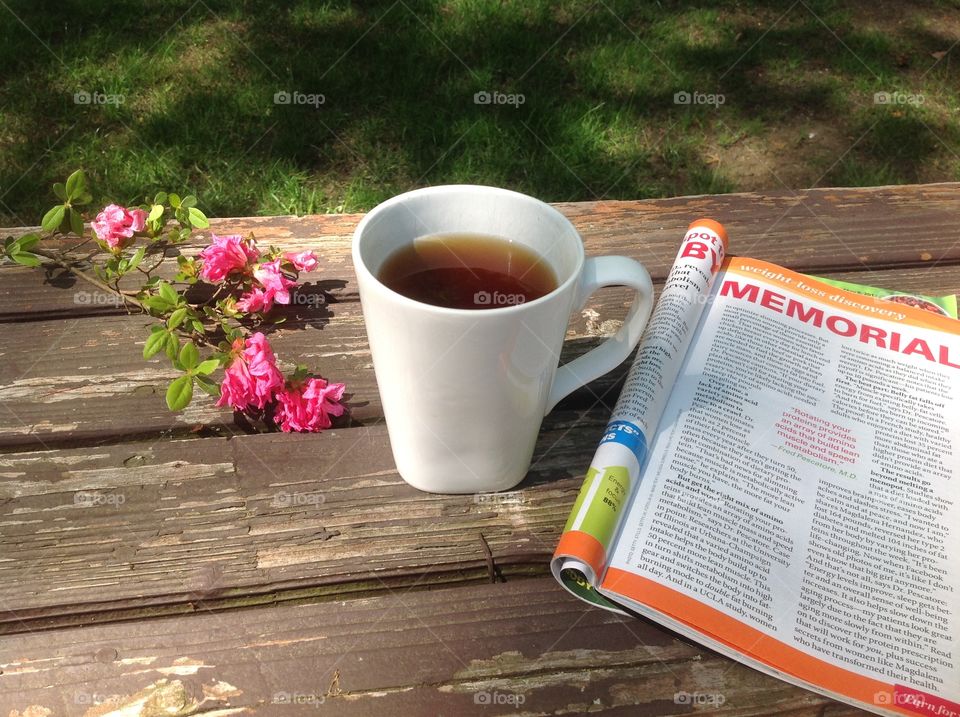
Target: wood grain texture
[
  {"x": 139, "y": 563},
  {"x": 71, "y": 370},
  {"x": 106, "y": 534},
  {"x": 812, "y": 230},
  {"x": 521, "y": 647},
  {"x": 85, "y": 380}
]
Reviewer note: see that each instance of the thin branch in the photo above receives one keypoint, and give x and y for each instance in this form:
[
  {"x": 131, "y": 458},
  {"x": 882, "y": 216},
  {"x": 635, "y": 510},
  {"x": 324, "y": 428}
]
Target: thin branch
[
  {"x": 85, "y": 241},
  {"x": 61, "y": 262}
]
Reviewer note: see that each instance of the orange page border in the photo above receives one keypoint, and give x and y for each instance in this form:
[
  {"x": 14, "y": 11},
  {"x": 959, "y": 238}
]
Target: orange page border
[
  {"x": 748, "y": 640},
  {"x": 914, "y": 316},
  {"x": 584, "y": 547}
]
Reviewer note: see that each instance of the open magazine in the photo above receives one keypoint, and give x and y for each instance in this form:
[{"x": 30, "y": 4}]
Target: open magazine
[{"x": 780, "y": 481}]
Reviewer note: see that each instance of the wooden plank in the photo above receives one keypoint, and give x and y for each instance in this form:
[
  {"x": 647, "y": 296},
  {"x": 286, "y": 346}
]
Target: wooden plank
[
  {"x": 30, "y": 294},
  {"x": 521, "y": 647},
  {"x": 112, "y": 533},
  {"x": 86, "y": 379},
  {"x": 811, "y": 230},
  {"x": 64, "y": 382}
]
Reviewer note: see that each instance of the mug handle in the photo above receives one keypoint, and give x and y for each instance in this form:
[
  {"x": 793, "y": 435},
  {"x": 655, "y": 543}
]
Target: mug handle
[{"x": 598, "y": 272}]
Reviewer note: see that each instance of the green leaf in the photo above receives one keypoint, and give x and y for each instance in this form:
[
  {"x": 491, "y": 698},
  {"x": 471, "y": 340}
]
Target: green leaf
[
  {"x": 198, "y": 218},
  {"x": 188, "y": 201},
  {"x": 157, "y": 303},
  {"x": 83, "y": 198},
  {"x": 155, "y": 342},
  {"x": 137, "y": 258},
  {"x": 53, "y": 218},
  {"x": 177, "y": 317},
  {"x": 169, "y": 293},
  {"x": 26, "y": 259},
  {"x": 180, "y": 393},
  {"x": 197, "y": 326},
  {"x": 156, "y": 211},
  {"x": 300, "y": 373},
  {"x": 60, "y": 190},
  {"x": 208, "y": 366},
  {"x": 76, "y": 184},
  {"x": 189, "y": 356},
  {"x": 160, "y": 198},
  {"x": 76, "y": 222},
  {"x": 171, "y": 346},
  {"x": 208, "y": 386},
  {"x": 174, "y": 200},
  {"x": 27, "y": 242},
  {"x": 232, "y": 334}
]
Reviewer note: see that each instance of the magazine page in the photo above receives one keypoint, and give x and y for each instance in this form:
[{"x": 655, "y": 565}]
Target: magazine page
[
  {"x": 609, "y": 482},
  {"x": 800, "y": 505}
]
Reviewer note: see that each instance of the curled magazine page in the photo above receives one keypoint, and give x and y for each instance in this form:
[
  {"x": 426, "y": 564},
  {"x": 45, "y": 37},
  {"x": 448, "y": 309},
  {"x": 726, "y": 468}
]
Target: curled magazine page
[
  {"x": 610, "y": 480},
  {"x": 800, "y": 507},
  {"x": 942, "y": 305}
]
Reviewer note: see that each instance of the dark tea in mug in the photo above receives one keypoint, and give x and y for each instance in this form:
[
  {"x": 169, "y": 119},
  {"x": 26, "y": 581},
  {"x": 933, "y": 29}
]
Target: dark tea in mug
[{"x": 468, "y": 271}]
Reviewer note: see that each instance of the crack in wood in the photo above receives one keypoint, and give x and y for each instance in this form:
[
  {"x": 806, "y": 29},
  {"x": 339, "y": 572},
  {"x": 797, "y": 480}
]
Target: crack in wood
[{"x": 493, "y": 571}]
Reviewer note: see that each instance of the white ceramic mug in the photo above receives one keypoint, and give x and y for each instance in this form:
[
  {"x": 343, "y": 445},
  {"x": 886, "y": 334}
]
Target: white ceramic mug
[{"x": 464, "y": 391}]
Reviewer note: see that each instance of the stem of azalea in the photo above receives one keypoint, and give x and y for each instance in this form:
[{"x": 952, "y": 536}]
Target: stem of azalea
[
  {"x": 125, "y": 296},
  {"x": 213, "y": 298},
  {"x": 153, "y": 268},
  {"x": 69, "y": 266},
  {"x": 85, "y": 241}
]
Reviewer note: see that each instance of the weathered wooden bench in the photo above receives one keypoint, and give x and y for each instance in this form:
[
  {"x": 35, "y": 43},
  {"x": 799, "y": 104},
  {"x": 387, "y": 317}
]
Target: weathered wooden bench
[{"x": 208, "y": 590}]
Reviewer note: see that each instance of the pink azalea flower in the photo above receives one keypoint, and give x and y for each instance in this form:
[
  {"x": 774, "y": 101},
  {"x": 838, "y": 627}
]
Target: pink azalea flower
[
  {"x": 252, "y": 378},
  {"x": 226, "y": 254},
  {"x": 304, "y": 261},
  {"x": 116, "y": 225},
  {"x": 253, "y": 300},
  {"x": 276, "y": 286},
  {"x": 308, "y": 407}
]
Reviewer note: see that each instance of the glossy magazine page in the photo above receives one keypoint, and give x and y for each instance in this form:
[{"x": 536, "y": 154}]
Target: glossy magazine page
[{"x": 801, "y": 493}]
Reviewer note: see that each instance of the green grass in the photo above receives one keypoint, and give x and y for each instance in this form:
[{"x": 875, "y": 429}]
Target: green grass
[{"x": 598, "y": 120}]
